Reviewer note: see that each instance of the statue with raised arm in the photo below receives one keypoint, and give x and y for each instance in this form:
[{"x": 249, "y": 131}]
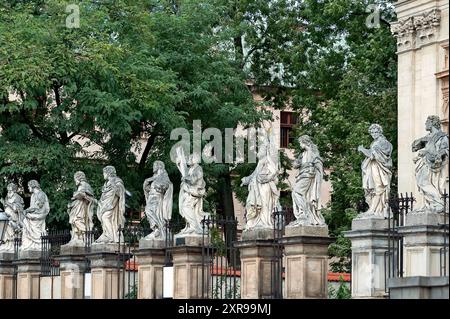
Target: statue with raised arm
[
  {"x": 13, "y": 206},
  {"x": 306, "y": 191},
  {"x": 158, "y": 191},
  {"x": 192, "y": 191},
  {"x": 81, "y": 210},
  {"x": 431, "y": 162},
  {"x": 377, "y": 173},
  {"x": 263, "y": 194},
  {"x": 111, "y": 207},
  {"x": 34, "y": 218}
]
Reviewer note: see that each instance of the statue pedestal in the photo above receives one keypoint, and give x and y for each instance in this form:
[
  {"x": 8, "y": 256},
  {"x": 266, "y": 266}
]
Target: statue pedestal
[
  {"x": 188, "y": 268},
  {"x": 28, "y": 274},
  {"x": 257, "y": 253},
  {"x": 306, "y": 262},
  {"x": 106, "y": 271},
  {"x": 423, "y": 238},
  {"x": 73, "y": 264},
  {"x": 151, "y": 258},
  {"x": 370, "y": 240},
  {"x": 7, "y": 286}
]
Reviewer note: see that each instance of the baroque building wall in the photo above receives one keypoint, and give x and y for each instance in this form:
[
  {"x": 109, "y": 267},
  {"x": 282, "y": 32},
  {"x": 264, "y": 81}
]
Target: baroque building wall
[{"x": 422, "y": 39}]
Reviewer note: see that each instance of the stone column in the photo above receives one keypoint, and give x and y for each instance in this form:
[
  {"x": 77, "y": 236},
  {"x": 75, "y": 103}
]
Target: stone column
[
  {"x": 370, "y": 241},
  {"x": 6, "y": 276},
  {"x": 106, "y": 271},
  {"x": 423, "y": 238},
  {"x": 73, "y": 264},
  {"x": 257, "y": 253},
  {"x": 306, "y": 262},
  {"x": 28, "y": 274},
  {"x": 188, "y": 268},
  {"x": 151, "y": 258}
]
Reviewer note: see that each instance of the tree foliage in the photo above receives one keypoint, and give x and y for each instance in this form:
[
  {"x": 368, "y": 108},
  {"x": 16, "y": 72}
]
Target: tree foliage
[{"x": 132, "y": 69}]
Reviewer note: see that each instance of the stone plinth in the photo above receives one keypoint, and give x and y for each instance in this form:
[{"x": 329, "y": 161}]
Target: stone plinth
[
  {"x": 370, "y": 241},
  {"x": 188, "y": 270},
  {"x": 257, "y": 258},
  {"x": 306, "y": 262},
  {"x": 106, "y": 271},
  {"x": 73, "y": 264},
  {"x": 7, "y": 287},
  {"x": 419, "y": 288},
  {"x": 423, "y": 238},
  {"x": 258, "y": 234},
  {"x": 151, "y": 259},
  {"x": 28, "y": 273}
]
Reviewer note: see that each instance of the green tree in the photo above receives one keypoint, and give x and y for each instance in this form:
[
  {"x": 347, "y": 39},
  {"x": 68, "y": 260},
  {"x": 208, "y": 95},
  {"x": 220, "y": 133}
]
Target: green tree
[{"x": 132, "y": 69}]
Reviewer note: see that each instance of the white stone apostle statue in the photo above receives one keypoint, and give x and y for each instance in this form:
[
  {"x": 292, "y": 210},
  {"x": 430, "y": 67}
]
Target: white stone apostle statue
[
  {"x": 13, "y": 205},
  {"x": 81, "y": 210},
  {"x": 34, "y": 218},
  {"x": 158, "y": 191},
  {"x": 306, "y": 191},
  {"x": 192, "y": 191},
  {"x": 111, "y": 207},
  {"x": 431, "y": 162},
  {"x": 263, "y": 194},
  {"x": 377, "y": 174}
]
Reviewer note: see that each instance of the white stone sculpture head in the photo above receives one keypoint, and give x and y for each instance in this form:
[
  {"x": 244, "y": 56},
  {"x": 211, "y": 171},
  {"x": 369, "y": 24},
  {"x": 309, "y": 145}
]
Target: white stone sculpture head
[
  {"x": 433, "y": 121},
  {"x": 79, "y": 177},
  {"x": 32, "y": 185},
  {"x": 375, "y": 130},
  {"x": 109, "y": 171},
  {"x": 11, "y": 188},
  {"x": 158, "y": 166},
  {"x": 193, "y": 159}
]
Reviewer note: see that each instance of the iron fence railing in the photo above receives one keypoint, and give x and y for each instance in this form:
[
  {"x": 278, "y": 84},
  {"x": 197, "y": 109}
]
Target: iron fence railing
[{"x": 220, "y": 258}]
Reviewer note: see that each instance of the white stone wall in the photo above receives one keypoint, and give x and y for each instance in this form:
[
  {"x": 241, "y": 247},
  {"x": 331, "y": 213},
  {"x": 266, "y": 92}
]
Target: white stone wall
[{"x": 422, "y": 35}]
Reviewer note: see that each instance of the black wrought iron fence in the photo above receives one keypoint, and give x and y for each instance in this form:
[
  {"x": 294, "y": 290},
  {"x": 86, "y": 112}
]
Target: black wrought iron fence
[
  {"x": 127, "y": 271},
  {"x": 220, "y": 258},
  {"x": 50, "y": 248}
]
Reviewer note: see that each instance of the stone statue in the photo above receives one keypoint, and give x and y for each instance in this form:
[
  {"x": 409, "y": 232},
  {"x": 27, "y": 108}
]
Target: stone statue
[
  {"x": 377, "y": 173},
  {"x": 431, "y": 161},
  {"x": 34, "y": 218},
  {"x": 306, "y": 192},
  {"x": 111, "y": 207},
  {"x": 13, "y": 205},
  {"x": 263, "y": 194},
  {"x": 158, "y": 191},
  {"x": 81, "y": 210},
  {"x": 192, "y": 191}
]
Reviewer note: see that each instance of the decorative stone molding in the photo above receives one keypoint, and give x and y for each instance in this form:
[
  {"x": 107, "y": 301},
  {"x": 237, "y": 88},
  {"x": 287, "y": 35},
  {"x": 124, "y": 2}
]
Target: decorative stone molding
[
  {"x": 426, "y": 25},
  {"x": 419, "y": 29},
  {"x": 443, "y": 77},
  {"x": 403, "y": 30}
]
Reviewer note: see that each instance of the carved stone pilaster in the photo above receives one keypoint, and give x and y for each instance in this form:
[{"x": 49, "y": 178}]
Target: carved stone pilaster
[
  {"x": 415, "y": 31},
  {"x": 426, "y": 25},
  {"x": 404, "y": 31}
]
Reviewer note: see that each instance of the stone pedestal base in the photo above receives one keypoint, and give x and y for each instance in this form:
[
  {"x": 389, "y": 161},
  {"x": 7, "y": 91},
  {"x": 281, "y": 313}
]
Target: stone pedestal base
[
  {"x": 422, "y": 242},
  {"x": 150, "y": 270},
  {"x": 369, "y": 243},
  {"x": 73, "y": 265},
  {"x": 7, "y": 286},
  {"x": 419, "y": 288},
  {"x": 28, "y": 273},
  {"x": 106, "y": 272},
  {"x": 188, "y": 271},
  {"x": 306, "y": 262},
  {"x": 257, "y": 258}
]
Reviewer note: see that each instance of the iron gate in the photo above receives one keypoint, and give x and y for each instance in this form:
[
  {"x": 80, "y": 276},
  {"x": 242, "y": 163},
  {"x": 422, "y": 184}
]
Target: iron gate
[{"x": 221, "y": 270}]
